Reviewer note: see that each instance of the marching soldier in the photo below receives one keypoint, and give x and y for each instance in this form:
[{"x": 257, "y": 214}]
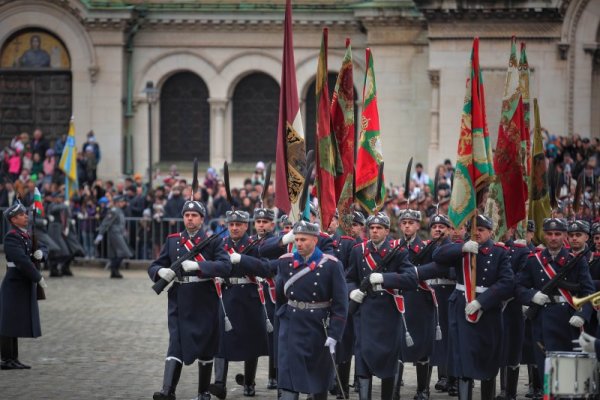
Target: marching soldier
[
  {"x": 264, "y": 224},
  {"x": 342, "y": 246},
  {"x": 377, "y": 343},
  {"x": 312, "y": 305},
  {"x": 40, "y": 229},
  {"x": 114, "y": 225},
  {"x": 439, "y": 227},
  {"x": 557, "y": 323},
  {"x": 475, "y": 324},
  {"x": 193, "y": 314},
  {"x": 358, "y": 226},
  {"x": 19, "y": 313},
  {"x": 58, "y": 229},
  {"x": 421, "y": 305},
  {"x": 242, "y": 299},
  {"x": 513, "y": 322}
]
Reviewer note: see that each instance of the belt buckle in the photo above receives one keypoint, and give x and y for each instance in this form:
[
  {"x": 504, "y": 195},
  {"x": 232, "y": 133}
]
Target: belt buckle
[{"x": 301, "y": 305}]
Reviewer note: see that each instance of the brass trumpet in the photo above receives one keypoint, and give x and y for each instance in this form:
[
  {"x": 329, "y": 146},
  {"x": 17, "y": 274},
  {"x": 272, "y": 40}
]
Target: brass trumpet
[{"x": 594, "y": 298}]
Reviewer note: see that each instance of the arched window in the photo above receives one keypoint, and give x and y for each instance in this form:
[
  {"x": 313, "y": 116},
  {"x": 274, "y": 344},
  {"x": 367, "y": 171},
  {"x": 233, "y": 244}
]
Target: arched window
[
  {"x": 184, "y": 118},
  {"x": 311, "y": 109},
  {"x": 35, "y": 80},
  {"x": 255, "y": 117}
]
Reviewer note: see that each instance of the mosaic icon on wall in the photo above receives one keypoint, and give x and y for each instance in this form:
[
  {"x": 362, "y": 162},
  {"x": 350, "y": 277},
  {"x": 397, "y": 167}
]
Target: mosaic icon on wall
[{"x": 34, "y": 49}]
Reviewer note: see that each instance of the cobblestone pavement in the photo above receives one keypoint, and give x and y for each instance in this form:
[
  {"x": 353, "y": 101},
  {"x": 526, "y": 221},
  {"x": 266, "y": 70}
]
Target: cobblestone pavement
[{"x": 106, "y": 339}]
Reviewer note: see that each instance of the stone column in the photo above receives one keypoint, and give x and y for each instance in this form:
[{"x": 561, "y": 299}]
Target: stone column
[
  {"x": 434, "y": 132},
  {"x": 217, "y": 131}
]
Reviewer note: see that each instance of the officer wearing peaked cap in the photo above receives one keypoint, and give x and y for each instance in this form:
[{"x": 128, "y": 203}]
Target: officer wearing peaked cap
[
  {"x": 114, "y": 224},
  {"x": 475, "y": 323},
  {"x": 19, "y": 313},
  {"x": 342, "y": 246},
  {"x": 264, "y": 224},
  {"x": 311, "y": 293},
  {"x": 193, "y": 305},
  {"x": 248, "y": 339},
  {"x": 377, "y": 343},
  {"x": 421, "y": 306},
  {"x": 557, "y": 323}
]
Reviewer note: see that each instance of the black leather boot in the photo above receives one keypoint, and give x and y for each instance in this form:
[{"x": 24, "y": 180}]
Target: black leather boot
[
  {"x": 537, "y": 383},
  {"x": 320, "y": 396},
  {"x": 54, "y": 271},
  {"x": 452, "y": 386},
  {"x": 204, "y": 376},
  {"x": 344, "y": 373},
  {"x": 219, "y": 388},
  {"x": 398, "y": 380},
  {"x": 387, "y": 388},
  {"x": 423, "y": 378},
  {"x": 465, "y": 389},
  {"x": 512, "y": 380},
  {"x": 364, "y": 388},
  {"x": 115, "y": 263},
  {"x": 488, "y": 389},
  {"x": 249, "y": 377},
  {"x": 66, "y": 267},
  {"x": 272, "y": 382},
  {"x": 170, "y": 380},
  {"x": 530, "y": 374}
]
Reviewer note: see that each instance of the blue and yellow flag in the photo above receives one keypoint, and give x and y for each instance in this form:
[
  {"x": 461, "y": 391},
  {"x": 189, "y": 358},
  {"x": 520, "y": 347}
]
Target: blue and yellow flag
[{"x": 68, "y": 163}]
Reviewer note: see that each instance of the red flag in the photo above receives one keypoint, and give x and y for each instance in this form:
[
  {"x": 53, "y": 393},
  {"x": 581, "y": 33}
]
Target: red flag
[
  {"x": 326, "y": 148},
  {"x": 342, "y": 123},
  {"x": 291, "y": 151}
]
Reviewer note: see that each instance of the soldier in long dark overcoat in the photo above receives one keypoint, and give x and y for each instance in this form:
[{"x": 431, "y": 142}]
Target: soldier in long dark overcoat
[
  {"x": 242, "y": 299},
  {"x": 193, "y": 304},
  {"x": 475, "y": 324},
  {"x": 421, "y": 307},
  {"x": 19, "y": 312},
  {"x": 113, "y": 225},
  {"x": 558, "y": 322},
  {"x": 312, "y": 306},
  {"x": 378, "y": 319}
]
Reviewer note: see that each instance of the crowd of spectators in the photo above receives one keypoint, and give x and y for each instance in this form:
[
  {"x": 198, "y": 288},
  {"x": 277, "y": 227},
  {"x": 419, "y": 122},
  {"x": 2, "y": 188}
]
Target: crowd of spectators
[{"x": 152, "y": 214}]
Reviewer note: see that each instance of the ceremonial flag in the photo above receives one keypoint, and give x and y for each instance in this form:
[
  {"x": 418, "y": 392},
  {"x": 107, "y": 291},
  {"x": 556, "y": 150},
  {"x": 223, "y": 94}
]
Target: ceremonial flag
[
  {"x": 291, "y": 151},
  {"x": 508, "y": 191},
  {"x": 525, "y": 132},
  {"x": 539, "y": 198},
  {"x": 326, "y": 148},
  {"x": 38, "y": 206},
  {"x": 68, "y": 162},
  {"x": 474, "y": 168},
  {"x": 370, "y": 152},
  {"x": 342, "y": 123}
]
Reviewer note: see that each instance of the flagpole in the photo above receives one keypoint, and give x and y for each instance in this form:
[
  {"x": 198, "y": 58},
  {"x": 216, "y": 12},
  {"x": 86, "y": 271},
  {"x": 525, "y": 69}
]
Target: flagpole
[{"x": 473, "y": 257}]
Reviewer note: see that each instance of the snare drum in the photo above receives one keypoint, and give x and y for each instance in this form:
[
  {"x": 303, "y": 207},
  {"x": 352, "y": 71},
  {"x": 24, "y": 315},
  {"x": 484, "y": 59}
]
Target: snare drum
[{"x": 571, "y": 374}]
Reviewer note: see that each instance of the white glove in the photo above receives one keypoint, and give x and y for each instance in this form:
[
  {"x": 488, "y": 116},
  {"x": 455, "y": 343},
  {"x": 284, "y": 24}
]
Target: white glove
[
  {"x": 521, "y": 242},
  {"x": 524, "y": 309},
  {"x": 235, "y": 258},
  {"x": 189, "y": 265},
  {"x": 587, "y": 342},
  {"x": 167, "y": 274},
  {"x": 472, "y": 307},
  {"x": 98, "y": 239},
  {"x": 51, "y": 218},
  {"x": 73, "y": 222},
  {"x": 357, "y": 296},
  {"x": 38, "y": 254},
  {"x": 471, "y": 246},
  {"x": 375, "y": 278},
  {"x": 288, "y": 238},
  {"x": 331, "y": 342},
  {"x": 80, "y": 215},
  {"x": 540, "y": 298},
  {"x": 66, "y": 232},
  {"x": 576, "y": 321},
  {"x": 43, "y": 283},
  {"x": 44, "y": 222}
]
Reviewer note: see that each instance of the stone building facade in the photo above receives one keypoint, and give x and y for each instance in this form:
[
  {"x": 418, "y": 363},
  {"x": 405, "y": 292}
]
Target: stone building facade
[{"x": 217, "y": 65}]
